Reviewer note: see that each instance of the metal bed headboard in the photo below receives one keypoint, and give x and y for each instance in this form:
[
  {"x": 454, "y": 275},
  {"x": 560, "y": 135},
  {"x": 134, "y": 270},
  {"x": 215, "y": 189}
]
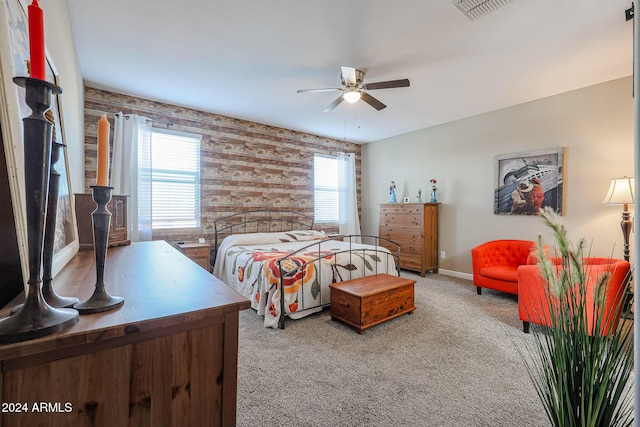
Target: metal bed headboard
[{"x": 260, "y": 221}]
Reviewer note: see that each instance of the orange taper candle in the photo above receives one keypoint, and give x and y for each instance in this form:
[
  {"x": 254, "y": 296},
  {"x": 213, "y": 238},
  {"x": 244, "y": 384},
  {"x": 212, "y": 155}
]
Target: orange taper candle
[
  {"x": 103, "y": 151},
  {"x": 36, "y": 40}
]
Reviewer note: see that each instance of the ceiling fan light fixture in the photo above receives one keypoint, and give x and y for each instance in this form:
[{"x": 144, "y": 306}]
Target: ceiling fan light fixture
[{"x": 352, "y": 96}]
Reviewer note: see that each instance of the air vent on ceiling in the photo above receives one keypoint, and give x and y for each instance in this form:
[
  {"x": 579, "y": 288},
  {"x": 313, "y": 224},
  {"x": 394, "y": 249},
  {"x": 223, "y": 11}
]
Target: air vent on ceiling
[{"x": 476, "y": 9}]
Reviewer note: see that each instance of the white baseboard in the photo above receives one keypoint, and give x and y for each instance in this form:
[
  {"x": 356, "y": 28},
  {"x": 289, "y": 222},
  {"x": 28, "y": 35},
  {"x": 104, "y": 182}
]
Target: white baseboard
[{"x": 457, "y": 274}]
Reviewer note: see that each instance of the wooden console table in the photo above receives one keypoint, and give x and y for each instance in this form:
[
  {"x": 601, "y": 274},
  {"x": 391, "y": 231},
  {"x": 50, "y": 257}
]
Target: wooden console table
[{"x": 168, "y": 356}]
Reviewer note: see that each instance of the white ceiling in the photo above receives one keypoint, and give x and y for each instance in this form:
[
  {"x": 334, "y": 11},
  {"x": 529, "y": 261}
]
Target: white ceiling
[{"x": 247, "y": 58}]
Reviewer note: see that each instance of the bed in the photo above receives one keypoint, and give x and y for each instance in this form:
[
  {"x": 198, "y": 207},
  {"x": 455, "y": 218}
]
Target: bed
[{"x": 284, "y": 267}]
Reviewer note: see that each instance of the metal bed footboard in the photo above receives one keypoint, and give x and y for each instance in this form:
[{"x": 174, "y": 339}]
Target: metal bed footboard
[{"x": 386, "y": 251}]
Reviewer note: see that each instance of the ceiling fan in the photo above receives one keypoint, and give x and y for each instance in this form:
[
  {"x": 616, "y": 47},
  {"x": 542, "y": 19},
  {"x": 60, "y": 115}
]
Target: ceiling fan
[{"x": 353, "y": 89}]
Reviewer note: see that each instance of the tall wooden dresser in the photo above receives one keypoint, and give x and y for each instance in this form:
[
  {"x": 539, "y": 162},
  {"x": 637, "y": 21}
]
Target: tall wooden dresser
[{"x": 415, "y": 227}]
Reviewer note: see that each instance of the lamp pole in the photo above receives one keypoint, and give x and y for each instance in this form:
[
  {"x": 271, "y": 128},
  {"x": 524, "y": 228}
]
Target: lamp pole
[{"x": 625, "y": 224}]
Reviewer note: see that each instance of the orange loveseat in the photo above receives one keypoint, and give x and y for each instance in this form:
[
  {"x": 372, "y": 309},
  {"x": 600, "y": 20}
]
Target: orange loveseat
[
  {"x": 495, "y": 264},
  {"x": 533, "y": 302}
]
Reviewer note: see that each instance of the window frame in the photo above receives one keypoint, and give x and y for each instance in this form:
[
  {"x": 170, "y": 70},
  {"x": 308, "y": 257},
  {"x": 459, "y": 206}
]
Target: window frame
[
  {"x": 333, "y": 189},
  {"x": 171, "y": 176}
]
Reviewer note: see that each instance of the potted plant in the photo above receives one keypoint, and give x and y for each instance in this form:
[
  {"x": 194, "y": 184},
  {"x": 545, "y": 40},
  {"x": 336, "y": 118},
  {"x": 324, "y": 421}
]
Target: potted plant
[{"x": 582, "y": 379}]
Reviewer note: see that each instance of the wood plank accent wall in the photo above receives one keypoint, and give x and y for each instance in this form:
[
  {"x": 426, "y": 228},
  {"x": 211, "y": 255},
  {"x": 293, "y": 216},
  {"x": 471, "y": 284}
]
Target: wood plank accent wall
[{"x": 244, "y": 165}]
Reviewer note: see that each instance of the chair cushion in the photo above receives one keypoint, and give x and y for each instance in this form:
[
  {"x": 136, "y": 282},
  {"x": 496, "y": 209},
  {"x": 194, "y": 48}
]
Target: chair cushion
[{"x": 508, "y": 273}]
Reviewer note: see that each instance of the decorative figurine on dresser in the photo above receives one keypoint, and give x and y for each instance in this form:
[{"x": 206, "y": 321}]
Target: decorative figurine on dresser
[
  {"x": 415, "y": 227},
  {"x": 392, "y": 192},
  {"x": 434, "y": 189}
]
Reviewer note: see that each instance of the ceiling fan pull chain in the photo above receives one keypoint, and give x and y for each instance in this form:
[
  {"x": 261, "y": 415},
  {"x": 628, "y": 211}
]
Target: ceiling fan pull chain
[{"x": 344, "y": 121}]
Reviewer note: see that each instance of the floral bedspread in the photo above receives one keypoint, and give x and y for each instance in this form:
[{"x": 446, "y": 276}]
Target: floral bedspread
[{"x": 248, "y": 263}]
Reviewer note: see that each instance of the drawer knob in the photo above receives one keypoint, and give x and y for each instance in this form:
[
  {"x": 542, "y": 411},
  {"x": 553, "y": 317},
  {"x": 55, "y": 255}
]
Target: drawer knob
[{"x": 346, "y": 304}]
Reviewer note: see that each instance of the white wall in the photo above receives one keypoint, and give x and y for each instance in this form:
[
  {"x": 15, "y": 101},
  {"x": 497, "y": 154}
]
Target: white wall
[
  {"x": 595, "y": 127},
  {"x": 62, "y": 50}
]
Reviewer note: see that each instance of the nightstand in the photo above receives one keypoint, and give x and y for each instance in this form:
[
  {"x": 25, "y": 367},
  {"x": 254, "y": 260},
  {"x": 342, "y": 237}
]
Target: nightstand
[{"x": 197, "y": 252}]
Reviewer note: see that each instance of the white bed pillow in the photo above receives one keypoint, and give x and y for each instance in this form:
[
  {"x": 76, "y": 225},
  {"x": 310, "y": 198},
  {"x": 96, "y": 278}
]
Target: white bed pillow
[{"x": 274, "y": 237}]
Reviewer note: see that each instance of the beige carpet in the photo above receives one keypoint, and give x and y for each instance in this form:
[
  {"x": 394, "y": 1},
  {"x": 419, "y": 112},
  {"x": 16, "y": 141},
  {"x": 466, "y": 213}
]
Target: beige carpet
[{"x": 453, "y": 362}]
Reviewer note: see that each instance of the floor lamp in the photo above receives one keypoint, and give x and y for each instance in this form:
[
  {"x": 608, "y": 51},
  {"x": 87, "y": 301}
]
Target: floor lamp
[{"x": 621, "y": 193}]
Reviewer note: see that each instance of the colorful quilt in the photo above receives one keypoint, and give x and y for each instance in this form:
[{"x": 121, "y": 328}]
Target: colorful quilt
[{"x": 248, "y": 263}]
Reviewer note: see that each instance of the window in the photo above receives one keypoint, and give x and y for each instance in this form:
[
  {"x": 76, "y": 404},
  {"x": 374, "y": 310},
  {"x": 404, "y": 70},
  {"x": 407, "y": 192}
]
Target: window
[
  {"x": 325, "y": 188},
  {"x": 175, "y": 179}
]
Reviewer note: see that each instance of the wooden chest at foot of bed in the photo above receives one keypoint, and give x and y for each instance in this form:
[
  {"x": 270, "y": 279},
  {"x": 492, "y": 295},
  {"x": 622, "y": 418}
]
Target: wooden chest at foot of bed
[{"x": 368, "y": 301}]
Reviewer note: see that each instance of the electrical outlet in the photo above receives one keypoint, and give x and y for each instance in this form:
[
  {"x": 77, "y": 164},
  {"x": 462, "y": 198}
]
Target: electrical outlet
[{"x": 443, "y": 255}]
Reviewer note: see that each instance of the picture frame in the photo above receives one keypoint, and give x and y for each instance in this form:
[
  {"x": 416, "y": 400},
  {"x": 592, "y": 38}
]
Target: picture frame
[
  {"x": 14, "y": 55},
  {"x": 528, "y": 181},
  {"x": 66, "y": 242}
]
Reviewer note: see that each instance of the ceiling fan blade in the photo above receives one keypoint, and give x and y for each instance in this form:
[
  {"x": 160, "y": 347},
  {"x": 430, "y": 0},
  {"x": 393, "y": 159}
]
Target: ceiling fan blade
[
  {"x": 329, "y": 89},
  {"x": 334, "y": 104},
  {"x": 349, "y": 75},
  {"x": 386, "y": 85},
  {"x": 372, "y": 101}
]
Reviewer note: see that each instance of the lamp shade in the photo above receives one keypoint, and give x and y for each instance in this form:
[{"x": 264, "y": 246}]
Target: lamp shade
[
  {"x": 620, "y": 192},
  {"x": 351, "y": 96}
]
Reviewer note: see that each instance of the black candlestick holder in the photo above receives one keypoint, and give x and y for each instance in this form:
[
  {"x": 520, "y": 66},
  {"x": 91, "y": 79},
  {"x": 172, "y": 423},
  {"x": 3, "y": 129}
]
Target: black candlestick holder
[
  {"x": 100, "y": 300},
  {"x": 48, "y": 292},
  {"x": 36, "y": 318}
]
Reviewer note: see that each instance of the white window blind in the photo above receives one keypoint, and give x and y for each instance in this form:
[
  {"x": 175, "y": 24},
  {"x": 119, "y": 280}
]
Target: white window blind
[
  {"x": 175, "y": 179},
  {"x": 325, "y": 188}
]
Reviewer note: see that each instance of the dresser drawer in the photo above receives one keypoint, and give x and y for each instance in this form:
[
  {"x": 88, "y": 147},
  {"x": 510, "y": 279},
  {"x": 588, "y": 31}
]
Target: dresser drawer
[
  {"x": 197, "y": 252},
  {"x": 411, "y": 248},
  {"x": 410, "y": 209},
  {"x": 401, "y": 235},
  {"x": 406, "y": 249},
  {"x": 402, "y": 208},
  {"x": 389, "y": 208},
  {"x": 388, "y": 245},
  {"x": 401, "y": 220},
  {"x": 411, "y": 262}
]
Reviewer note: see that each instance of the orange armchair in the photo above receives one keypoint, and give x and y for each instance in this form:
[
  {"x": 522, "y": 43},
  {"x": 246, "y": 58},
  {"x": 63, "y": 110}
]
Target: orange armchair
[
  {"x": 495, "y": 264},
  {"x": 533, "y": 302}
]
